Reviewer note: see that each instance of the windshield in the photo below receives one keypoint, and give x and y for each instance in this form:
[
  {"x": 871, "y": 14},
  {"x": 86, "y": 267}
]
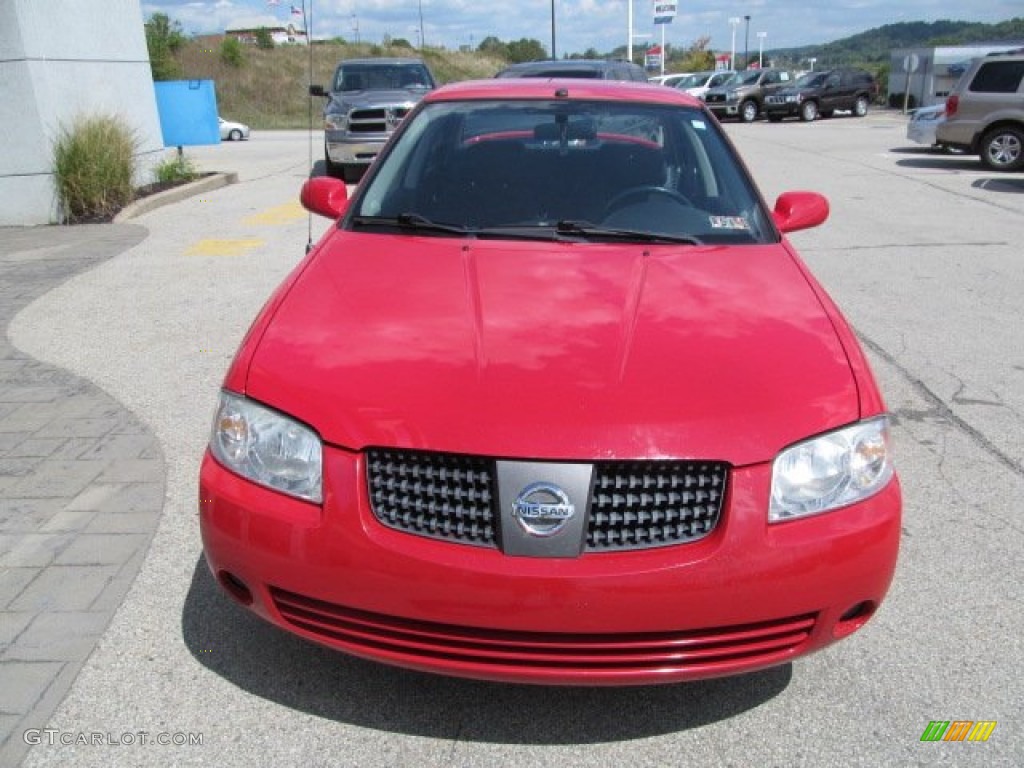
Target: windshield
[
  {"x": 545, "y": 169},
  {"x": 380, "y": 77},
  {"x": 812, "y": 80},
  {"x": 694, "y": 81},
  {"x": 743, "y": 78}
]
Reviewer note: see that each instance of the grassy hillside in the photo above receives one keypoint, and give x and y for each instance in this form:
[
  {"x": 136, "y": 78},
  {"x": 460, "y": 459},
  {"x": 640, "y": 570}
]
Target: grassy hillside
[{"x": 269, "y": 89}]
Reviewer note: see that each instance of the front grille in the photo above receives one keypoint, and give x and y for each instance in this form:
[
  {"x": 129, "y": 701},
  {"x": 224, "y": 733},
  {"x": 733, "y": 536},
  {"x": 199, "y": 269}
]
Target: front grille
[
  {"x": 641, "y": 504},
  {"x": 633, "y": 504},
  {"x": 714, "y": 98},
  {"x": 507, "y": 651},
  {"x": 444, "y": 496},
  {"x": 376, "y": 120}
]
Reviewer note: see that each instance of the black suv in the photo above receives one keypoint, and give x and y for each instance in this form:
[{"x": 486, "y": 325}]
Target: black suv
[
  {"x": 822, "y": 93},
  {"x": 593, "y": 69}
]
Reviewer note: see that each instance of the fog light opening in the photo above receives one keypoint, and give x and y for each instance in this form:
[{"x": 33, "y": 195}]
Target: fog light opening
[
  {"x": 235, "y": 587},
  {"x": 855, "y": 617}
]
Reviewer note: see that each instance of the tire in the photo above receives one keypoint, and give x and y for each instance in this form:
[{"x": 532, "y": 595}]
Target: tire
[
  {"x": 235, "y": 135},
  {"x": 809, "y": 111},
  {"x": 774, "y": 118},
  {"x": 860, "y": 106},
  {"x": 331, "y": 168},
  {"x": 352, "y": 173},
  {"x": 1002, "y": 149},
  {"x": 749, "y": 111}
]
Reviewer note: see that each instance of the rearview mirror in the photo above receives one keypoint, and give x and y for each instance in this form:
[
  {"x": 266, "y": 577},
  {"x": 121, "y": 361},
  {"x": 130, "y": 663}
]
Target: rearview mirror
[
  {"x": 317, "y": 90},
  {"x": 325, "y": 196},
  {"x": 799, "y": 210}
]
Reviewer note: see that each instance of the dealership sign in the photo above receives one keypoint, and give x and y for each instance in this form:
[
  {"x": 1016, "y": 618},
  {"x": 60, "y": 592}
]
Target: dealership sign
[{"x": 664, "y": 12}]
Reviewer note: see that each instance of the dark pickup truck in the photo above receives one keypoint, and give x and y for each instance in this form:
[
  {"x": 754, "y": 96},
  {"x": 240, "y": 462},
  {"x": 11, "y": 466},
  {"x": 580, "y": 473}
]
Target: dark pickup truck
[{"x": 366, "y": 101}]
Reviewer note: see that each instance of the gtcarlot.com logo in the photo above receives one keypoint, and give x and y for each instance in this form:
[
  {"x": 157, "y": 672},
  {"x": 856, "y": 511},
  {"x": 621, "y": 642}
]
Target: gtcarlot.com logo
[
  {"x": 53, "y": 737},
  {"x": 958, "y": 730}
]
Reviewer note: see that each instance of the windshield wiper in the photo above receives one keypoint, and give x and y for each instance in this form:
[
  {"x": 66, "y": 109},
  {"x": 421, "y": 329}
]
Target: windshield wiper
[
  {"x": 412, "y": 221},
  {"x": 588, "y": 229}
]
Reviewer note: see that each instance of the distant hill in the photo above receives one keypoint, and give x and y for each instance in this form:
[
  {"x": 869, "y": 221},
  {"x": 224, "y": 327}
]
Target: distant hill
[{"x": 872, "y": 48}]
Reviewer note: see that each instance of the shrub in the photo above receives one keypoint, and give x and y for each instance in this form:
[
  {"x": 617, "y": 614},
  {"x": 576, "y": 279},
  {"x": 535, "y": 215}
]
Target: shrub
[
  {"x": 231, "y": 52},
  {"x": 93, "y": 164},
  {"x": 175, "y": 169}
]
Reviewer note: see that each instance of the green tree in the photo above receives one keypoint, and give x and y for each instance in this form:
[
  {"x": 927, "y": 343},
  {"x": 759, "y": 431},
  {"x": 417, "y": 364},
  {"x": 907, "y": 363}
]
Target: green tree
[
  {"x": 231, "y": 52},
  {"x": 526, "y": 50},
  {"x": 492, "y": 46},
  {"x": 263, "y": 39},
  {"x": 164, "y": 39}
]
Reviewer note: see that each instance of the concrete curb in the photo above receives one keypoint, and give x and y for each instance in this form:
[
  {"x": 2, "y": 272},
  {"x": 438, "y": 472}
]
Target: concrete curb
[{"x": 152, "y": 202}]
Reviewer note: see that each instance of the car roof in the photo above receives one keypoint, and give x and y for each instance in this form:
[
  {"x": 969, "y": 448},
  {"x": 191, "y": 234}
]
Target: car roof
[
  {"x": 598, "y": 65},
  {"x": 381, "y": 60},
  {"x": 575, "y": 89}
]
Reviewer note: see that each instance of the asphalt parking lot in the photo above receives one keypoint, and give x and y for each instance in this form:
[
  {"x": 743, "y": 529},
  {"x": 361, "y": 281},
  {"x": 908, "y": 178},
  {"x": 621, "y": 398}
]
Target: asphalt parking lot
[{"x": 922, "y": 252}]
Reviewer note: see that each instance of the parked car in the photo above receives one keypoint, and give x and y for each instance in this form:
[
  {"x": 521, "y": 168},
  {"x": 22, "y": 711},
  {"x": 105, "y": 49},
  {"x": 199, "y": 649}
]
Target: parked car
[
  {"x": 921, "y": 128},
  {"x": 554, "y": 401},
  {"x": 823, "y": 93},
  {"x": 668, "y": 80},
  {"x": 698, "y": 83},
  {"x": 743, "y": 95},
  {"x": 985, "y": 112},
  {"x": 232, "y": 131},
  {"x": 591, "y": 69},
  {"x": 366, "y": 101}
]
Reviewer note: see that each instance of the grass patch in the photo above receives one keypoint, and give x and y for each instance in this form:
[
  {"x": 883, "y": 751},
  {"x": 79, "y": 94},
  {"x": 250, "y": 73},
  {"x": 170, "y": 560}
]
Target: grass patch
[
  {"x": 94, "y": 163},
  {"x": 176, "y": 170}
]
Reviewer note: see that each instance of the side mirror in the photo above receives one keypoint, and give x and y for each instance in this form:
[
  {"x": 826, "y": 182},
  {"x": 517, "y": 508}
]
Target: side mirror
[
  {"x": 317, "y": 90},
  {"x": 325, "y": 196},
  {"x": 799, "y": 210}
]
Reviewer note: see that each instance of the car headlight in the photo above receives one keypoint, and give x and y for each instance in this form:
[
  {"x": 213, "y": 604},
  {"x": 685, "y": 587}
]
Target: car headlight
[
  {"x": 268, "y": 448},
  {"x": 831, "y": 471},
  {"x": 732, "y": 96},
  {"x": 335, "y": 122}
]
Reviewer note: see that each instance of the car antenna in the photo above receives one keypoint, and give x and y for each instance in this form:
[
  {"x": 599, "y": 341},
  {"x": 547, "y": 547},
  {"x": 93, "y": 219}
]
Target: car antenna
[{"x": 307, "y": 22}]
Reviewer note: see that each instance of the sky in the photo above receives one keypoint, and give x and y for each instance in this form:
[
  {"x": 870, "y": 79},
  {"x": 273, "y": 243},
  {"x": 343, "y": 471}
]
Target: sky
[{"x": 580, "y": 24}]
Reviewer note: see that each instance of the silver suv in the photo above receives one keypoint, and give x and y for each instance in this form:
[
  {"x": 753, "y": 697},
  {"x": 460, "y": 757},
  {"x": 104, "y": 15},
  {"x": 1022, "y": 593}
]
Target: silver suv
[
  {"x": 366, "y": 101},
  {"x": 985, "y": 112}
]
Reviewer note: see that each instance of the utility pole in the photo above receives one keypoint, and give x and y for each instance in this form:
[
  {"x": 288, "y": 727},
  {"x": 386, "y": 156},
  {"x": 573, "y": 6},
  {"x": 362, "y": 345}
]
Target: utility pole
[{"x": 746, "y": 43}]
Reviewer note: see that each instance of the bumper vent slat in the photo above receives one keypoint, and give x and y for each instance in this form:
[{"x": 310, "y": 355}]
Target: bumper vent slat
[
  {"x": 633, "y": 504},
  {"x": 373, "y": 633}
]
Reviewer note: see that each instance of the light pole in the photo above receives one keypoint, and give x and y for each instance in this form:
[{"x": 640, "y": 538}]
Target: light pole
[
  {"x": 553, "y": 54},
  {"x": 746, "y": 43},
  {"x": 629, "y": 30},
  {"x": 735, "y": 22},
  {"x": 812, "y": 60},
  {"x": 420, "y": 4},
  {"x": 760, "y": 49}
]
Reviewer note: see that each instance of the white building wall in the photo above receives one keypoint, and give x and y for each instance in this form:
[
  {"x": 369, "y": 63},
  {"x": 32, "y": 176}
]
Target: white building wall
[{"x": 59, "y": 60}]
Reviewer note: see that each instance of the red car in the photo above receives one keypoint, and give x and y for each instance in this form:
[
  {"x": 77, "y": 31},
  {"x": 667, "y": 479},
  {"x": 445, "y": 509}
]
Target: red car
[{"x": 555, "y": 402}]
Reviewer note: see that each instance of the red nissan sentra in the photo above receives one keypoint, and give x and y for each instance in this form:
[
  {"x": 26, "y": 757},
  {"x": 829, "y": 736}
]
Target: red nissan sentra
[{"x": 555, "y": 402}]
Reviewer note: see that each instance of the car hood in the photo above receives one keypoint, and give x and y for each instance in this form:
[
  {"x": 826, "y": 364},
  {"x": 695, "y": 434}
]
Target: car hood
[
  {"x": 554, "y": 351},
  {"x": 349, "y": 99}
]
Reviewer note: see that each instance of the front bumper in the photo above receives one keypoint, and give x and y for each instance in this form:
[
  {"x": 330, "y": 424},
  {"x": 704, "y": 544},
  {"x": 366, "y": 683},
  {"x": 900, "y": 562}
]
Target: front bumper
[
  {"x": 343, "y": 149},
  {"x": 748, "y": 596},
  {"x": 727, "y": 109},
  {"x": 787, "y": 109}
]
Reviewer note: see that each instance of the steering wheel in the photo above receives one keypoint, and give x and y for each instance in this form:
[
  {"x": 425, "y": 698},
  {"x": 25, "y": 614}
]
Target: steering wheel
[{"x": 621, "y": 199}]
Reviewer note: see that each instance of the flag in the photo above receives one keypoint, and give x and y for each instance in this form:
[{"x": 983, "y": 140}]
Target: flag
[{"x": 296, "y": 11}]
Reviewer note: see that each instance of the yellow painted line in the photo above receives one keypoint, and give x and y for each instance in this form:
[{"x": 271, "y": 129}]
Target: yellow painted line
[
  {"x": 279, "y": 214},
  {"x": 223, "y": 247}
]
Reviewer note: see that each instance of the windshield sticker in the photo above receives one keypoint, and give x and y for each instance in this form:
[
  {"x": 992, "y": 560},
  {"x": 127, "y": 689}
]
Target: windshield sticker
[
  {"x": 699, "y": 125},
  {"x": 728, "y": 222}
]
